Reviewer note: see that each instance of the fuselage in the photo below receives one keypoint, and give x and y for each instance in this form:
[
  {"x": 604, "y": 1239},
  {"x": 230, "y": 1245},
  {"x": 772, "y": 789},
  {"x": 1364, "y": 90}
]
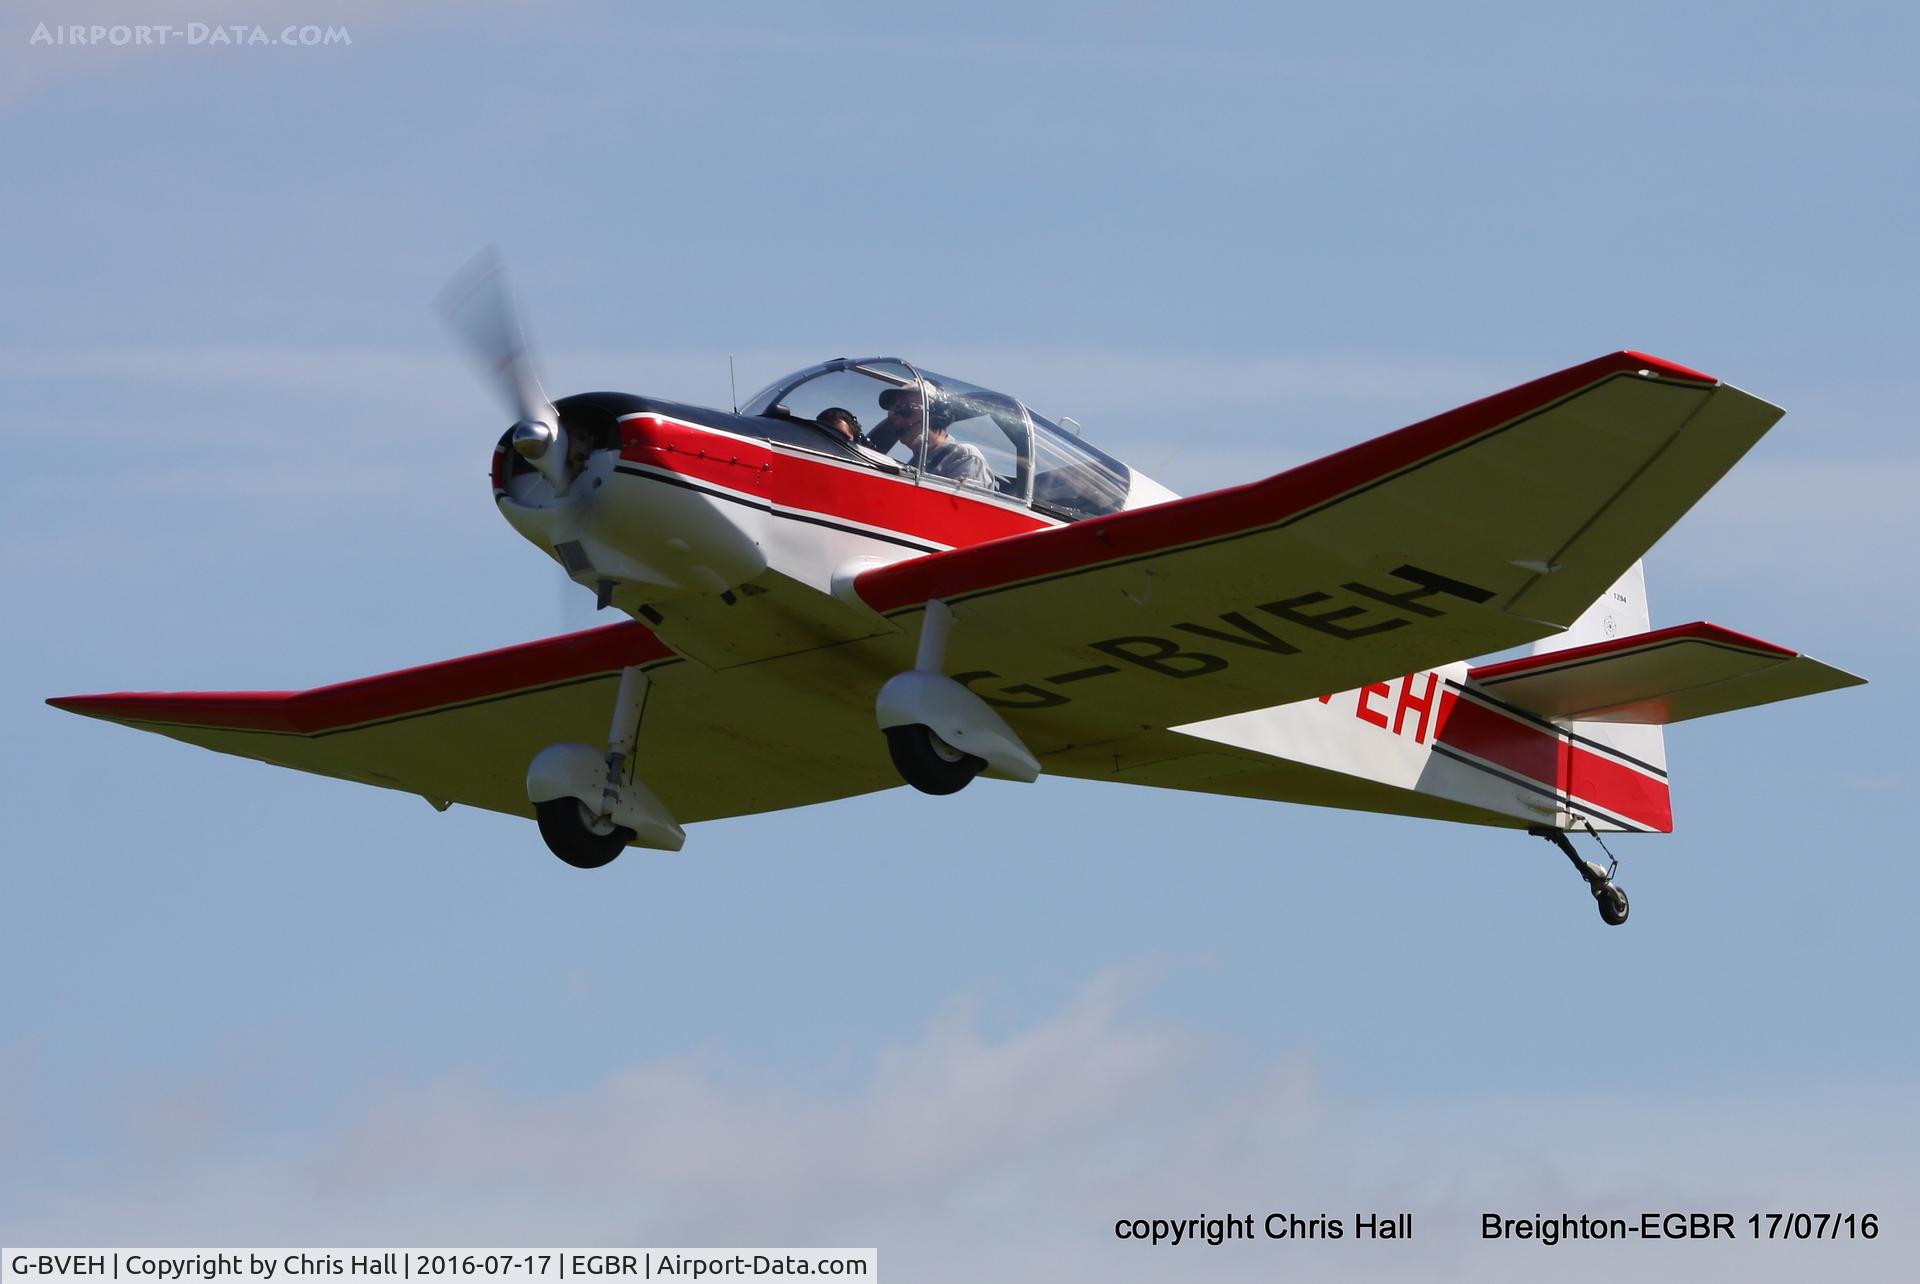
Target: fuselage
[
  {"x": 736, "y": 539},
  {"x": 667, "y": 501}
]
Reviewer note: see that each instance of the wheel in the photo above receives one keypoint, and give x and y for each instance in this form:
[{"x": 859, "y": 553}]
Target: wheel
[
  {"x": 576, "y": 836},
  {"x": 1613, "y": 904},
  {"x": 929, "y": 763}
]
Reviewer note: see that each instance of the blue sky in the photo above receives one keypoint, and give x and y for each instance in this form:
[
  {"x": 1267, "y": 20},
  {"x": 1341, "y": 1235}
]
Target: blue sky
[{"x": 246, "y": 1006}]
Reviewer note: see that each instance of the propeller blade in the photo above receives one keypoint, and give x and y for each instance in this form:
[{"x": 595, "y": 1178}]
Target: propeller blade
[{"x": 478, "y": 306}]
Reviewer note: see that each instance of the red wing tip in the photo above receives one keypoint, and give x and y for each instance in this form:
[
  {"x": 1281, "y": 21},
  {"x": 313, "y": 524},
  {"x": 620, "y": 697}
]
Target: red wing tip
[
  {"x": 93, "y": 706},
  {"x": 1671, "y": 369},
  {"x": 238, "y": 710}
]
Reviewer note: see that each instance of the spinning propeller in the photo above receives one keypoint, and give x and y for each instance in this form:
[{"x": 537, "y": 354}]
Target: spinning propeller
[{"x": 478, "y": 306}]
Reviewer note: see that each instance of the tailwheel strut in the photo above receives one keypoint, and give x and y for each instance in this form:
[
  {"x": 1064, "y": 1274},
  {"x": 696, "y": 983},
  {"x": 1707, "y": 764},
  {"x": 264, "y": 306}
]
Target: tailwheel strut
[{"x": 1608, "y": 895}]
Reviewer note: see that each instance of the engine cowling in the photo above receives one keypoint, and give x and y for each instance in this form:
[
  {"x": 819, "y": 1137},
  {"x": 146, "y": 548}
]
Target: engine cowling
[{"x": 645, "y": 509}]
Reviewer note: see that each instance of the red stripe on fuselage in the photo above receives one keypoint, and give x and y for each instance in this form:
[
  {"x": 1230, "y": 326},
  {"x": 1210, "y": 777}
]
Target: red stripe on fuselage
[
  {"x": 934, "y": 513},
  {"x": 720, "y": 458},
  {"x": 1554, "y": 761}
]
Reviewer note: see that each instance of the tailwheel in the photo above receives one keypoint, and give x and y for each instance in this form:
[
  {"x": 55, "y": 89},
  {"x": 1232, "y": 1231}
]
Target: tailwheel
[
  {"x": 1608, "y": 895},
  {"x": 579, "y": 837},
  {"x": 929, "y": 763}
]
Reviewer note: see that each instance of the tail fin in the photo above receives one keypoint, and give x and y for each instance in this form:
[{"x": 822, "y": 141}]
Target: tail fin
[
  {"x": 1620, "y": 612},
  {"x": 1610, "y": 681}
]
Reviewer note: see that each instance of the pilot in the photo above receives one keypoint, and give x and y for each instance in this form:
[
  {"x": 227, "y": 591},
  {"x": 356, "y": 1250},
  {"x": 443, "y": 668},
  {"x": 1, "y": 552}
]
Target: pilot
[
  {"x": 838, "y": 420},
  {"x": 903, "y": 412}
]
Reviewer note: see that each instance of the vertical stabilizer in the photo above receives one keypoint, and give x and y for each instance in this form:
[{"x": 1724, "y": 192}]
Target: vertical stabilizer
[{"x": 1619, "y": 612}]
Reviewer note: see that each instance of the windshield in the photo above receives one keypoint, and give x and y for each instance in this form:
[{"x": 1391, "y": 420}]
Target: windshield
[
  {"x": 952, "y": 433},
  {"x": 1072, "y": 479}
]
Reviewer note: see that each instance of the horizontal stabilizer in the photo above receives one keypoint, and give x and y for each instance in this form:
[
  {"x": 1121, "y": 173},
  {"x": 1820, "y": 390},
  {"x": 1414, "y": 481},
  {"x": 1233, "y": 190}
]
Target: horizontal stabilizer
[{"x": 1668, "y": 675}]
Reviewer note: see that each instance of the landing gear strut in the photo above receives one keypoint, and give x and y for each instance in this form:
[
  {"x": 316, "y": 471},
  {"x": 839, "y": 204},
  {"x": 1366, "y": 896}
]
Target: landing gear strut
[
  {"x": 589, "y": 803},
  {"x": 1607, "y": 894},
  {"x": 939, "y": 734}
]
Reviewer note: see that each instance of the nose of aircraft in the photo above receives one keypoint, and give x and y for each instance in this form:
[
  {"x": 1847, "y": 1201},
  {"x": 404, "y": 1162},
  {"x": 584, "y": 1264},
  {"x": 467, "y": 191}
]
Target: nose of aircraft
[
  {"x": 647, "y": 512},
  {"x": 479, "y": 307}
]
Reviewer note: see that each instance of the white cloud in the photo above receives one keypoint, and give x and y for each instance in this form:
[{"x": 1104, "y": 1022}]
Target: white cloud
[{"x": 966, "y": 1156}]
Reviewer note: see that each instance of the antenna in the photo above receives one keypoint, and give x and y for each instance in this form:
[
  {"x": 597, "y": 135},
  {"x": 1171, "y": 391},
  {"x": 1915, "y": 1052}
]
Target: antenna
[{"x": 733, "y": 387}]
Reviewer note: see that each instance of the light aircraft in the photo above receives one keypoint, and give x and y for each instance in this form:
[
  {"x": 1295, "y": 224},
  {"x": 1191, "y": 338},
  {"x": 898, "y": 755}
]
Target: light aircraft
[{"x": 958, "y": 586}]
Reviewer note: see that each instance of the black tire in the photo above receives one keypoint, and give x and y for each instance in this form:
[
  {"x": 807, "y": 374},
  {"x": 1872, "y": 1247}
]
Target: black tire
[
  {"x": 566, "y": 825},
  {"x": 929, "y": 763},
  {"x": 1613, "y": 904}
]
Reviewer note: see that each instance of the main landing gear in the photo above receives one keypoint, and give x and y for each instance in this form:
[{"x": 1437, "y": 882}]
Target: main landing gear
[
  {"x": 1607, "y": 894},
  {"x": 939, "y": 734},
  {"x": 590, "y": 805},
  {"x": 577, "y": 836},
  {"x": 929, "y": 763}
]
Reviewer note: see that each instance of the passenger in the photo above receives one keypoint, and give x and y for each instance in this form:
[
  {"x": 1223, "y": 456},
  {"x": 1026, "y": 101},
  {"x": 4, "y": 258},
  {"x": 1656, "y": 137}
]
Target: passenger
[{"x": 842, "y": 423}]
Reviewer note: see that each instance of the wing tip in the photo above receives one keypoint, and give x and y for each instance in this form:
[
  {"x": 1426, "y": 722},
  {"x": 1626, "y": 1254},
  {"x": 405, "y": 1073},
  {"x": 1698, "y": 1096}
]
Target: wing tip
[
  {"x": 92, "y": 706},
  {"x": 220, "y": 710},
  {"x": 1841, "y": 678},
  {"x": 1669, "y": 369}
]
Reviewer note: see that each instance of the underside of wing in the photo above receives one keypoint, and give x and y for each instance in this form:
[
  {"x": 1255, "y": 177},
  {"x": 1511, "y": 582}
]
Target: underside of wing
[
  {"x": 1480, "y": 529},
  {"x": 754, "y": 739}
]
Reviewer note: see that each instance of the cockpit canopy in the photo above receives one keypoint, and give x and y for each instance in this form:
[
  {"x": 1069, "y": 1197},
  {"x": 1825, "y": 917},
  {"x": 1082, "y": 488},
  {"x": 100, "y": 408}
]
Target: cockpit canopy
[{"x": 948, "y": 430}]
